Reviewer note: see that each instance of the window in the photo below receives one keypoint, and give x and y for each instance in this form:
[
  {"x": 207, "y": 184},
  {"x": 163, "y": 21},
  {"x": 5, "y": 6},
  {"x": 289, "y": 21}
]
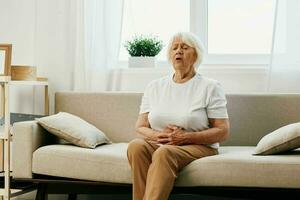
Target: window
[
  {"x": 240, "y": 27},
  {"x": 233, "y": 31}
]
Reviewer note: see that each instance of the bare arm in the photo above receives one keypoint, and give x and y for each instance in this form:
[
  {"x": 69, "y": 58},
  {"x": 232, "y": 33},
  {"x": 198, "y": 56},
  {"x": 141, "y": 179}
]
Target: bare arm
[
  {"x": 218, "y": 132},
  {"x": 143, "y": 129}
]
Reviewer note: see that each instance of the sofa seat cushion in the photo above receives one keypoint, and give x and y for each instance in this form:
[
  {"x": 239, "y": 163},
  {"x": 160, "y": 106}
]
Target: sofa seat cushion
[
  {"x": 234, "y": 166},
  {"x": 106, "y": 163}
]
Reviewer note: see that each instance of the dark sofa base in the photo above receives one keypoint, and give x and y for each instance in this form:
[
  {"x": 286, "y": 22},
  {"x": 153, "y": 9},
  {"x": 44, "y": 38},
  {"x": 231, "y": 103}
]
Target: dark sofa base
[{"x": 57, "y": 185}]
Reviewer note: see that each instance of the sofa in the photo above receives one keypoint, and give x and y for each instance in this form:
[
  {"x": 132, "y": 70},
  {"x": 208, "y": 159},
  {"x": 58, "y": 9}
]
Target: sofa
[{"x": 57, "y": 167}]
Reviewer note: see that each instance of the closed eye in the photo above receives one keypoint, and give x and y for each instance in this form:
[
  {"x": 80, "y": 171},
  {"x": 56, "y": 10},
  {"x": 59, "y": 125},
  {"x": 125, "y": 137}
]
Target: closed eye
[{"x": 185, "y": 47}]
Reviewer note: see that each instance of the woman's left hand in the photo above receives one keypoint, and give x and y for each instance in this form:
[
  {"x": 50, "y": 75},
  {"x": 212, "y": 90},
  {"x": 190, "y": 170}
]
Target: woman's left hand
[{"x": 177, "y": 136}]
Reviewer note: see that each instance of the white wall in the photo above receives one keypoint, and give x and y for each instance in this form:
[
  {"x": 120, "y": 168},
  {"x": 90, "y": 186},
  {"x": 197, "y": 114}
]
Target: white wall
[
  {"x": 17, "y": 27},
  {"x": 234, "y": 79},
  {"x": 26, "y": 25}
]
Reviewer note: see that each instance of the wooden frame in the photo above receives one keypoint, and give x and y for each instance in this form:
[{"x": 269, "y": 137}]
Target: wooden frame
[
  {"x": 5, "y": 135},
  {"x": 7, "y": 48}
]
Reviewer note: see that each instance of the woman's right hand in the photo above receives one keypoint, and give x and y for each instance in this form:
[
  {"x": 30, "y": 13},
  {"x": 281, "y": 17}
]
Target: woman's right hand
[
  {"x": 160, "y": 137},
  {"x": 163, "y": 137}
]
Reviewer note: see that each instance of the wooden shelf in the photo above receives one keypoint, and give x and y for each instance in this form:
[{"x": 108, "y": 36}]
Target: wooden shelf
[
  {"x": 2, "y": 133},
  {"x": 9, "y": 190},
  {"x": 4, "y": 79},
  {"x": 42, "y": 83},
  {"x": 5, "y": 136},
  {"x": 17, "y": 187}
]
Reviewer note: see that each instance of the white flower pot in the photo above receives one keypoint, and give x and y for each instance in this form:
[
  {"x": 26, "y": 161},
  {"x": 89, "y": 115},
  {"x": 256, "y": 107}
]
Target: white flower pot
[{"x": 141, "y": 62}]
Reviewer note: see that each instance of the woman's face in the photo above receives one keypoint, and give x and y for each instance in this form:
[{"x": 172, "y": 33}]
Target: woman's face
[{"x": 182, "y": 55}]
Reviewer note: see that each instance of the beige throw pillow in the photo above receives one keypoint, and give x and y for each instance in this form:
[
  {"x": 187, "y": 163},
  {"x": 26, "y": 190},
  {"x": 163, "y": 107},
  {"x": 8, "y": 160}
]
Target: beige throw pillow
[
  {"x": 73, "y": 129},
  {"x": 283, "y": 139}
]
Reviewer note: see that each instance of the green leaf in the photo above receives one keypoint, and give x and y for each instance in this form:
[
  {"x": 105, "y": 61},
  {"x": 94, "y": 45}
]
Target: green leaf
[{"x": 142, "y": 45}]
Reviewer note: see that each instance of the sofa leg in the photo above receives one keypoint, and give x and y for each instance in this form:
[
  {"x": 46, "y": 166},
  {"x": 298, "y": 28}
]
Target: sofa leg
[
  {"x": 72, "y": 196},
  {"x": 41, "y": 192}
]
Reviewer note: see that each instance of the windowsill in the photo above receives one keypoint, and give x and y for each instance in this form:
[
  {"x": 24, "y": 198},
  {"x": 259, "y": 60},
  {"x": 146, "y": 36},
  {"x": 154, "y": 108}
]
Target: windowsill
[{"x": 163, "y": 67}]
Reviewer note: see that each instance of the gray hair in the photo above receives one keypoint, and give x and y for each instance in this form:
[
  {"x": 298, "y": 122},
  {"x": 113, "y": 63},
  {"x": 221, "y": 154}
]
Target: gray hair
[{"x": 190, "y": 39}]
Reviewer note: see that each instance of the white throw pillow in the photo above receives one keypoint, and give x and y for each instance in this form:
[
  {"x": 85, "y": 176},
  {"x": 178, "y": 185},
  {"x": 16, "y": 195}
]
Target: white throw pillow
[
  {"x": 73, "y": 129},
  {"x": 283, "y": 139}
]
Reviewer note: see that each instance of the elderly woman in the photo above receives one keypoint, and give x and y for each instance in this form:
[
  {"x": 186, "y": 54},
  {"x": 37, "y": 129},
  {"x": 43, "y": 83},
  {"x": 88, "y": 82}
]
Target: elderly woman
[{"x": 183, "y": 117}]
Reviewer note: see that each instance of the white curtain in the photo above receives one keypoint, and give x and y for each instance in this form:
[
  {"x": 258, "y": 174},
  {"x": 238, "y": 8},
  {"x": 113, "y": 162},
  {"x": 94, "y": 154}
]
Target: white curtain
[
  {"x": 58, "y": 44},
  {"x": 76, "y": 44},
  {"x": 99, "y": 36},
  {"x": 284, "y": 76}
]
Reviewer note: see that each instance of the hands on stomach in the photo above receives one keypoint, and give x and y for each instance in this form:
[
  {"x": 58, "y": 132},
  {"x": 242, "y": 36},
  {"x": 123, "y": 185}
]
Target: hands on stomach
[{"x": 171, "y": 135}]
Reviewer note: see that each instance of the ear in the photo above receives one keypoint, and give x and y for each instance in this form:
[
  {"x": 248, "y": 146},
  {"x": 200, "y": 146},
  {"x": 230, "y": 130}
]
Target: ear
[{"x": 195, "y": 55}]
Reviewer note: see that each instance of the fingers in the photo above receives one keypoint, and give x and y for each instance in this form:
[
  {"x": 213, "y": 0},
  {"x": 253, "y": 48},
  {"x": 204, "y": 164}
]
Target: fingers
[
  {"x": 171, "y": 137},
  {"x": 173, "y": 143},
  {"x": 153, "y": 141},
  {"x": 169, "y": 140},
  {"x": 163, "y": 135},
  {"x": 173, "y": 127},
  {"x": 163, "y": 140}
]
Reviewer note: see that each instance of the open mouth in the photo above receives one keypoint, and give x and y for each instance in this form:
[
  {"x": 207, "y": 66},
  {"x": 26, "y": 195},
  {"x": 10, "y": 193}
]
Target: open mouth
[{"x": 178, "y": 58}]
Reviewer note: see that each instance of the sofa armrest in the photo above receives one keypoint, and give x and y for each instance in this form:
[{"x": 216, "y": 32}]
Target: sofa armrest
[{"x": 27, "y": 137}]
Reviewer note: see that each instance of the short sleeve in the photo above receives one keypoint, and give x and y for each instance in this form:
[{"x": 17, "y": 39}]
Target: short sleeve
[
  {"x": 216, "y": 107},
  {"x": 145, "y": 104}
]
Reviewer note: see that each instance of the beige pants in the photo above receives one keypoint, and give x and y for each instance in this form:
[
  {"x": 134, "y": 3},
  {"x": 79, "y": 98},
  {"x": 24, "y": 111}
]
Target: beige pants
[{"x": 155, "y": 168}]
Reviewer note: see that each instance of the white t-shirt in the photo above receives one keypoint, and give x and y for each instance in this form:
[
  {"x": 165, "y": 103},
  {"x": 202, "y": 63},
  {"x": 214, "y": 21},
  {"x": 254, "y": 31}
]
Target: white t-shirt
[{"x": 188, "y": 104}]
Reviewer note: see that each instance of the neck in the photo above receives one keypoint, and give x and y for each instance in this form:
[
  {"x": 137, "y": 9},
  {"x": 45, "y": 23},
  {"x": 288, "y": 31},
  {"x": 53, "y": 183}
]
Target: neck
[{"x": 183, "y": 76}]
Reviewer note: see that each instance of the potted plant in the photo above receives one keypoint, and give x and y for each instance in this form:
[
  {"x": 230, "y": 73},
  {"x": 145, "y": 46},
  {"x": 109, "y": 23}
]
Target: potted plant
[{"x": 142, "y": 50}]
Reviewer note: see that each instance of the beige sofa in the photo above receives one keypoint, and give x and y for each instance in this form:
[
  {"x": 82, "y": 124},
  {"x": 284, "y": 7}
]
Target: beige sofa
[{"x": 36, "y": 152}]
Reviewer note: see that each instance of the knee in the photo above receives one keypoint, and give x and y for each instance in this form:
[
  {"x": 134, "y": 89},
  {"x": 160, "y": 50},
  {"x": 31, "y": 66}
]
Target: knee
[
  {"x": 162, "y": 154},
  {"x": 136, "y": 146}
]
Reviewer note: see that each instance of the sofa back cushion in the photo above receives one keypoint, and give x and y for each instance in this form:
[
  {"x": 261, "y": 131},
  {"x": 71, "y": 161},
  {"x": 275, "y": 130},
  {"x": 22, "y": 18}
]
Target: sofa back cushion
[
  {"x": 115, "y": 113},
  {"x": 253, "y": 116}
]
